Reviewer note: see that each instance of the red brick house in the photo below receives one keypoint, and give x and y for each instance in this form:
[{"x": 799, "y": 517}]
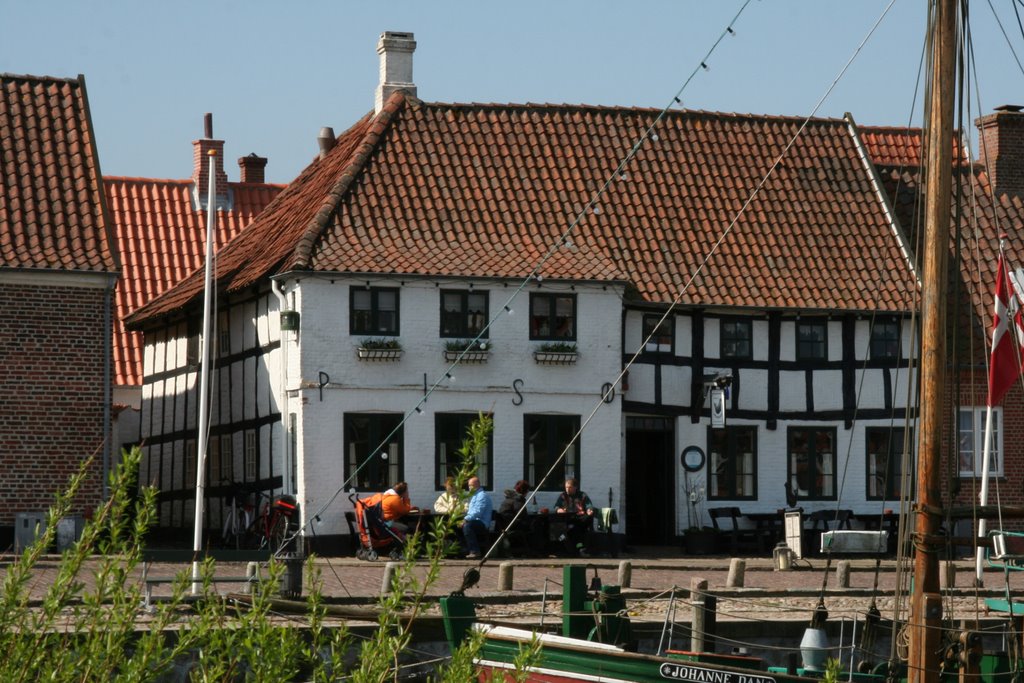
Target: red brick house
[
  {"x": 58, "y": 269},
  {"x": 990, "y": 202}
]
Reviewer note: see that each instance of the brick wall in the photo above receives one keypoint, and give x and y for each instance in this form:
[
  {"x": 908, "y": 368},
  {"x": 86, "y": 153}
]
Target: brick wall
[
  {"x": 973, "y": 391},
  {"x": 1001, "y": 148},
  {"x": 51, "y": 380},
  {"x": 201, "y": 167}
]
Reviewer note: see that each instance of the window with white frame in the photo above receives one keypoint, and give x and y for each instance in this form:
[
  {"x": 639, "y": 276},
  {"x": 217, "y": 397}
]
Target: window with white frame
[
  {"x": 971, "y": 429},
  {"x": 250, "y": 456}
]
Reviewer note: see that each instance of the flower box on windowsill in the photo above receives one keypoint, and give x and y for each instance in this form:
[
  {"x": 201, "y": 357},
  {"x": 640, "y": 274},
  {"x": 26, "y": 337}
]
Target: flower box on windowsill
[
  {"x": 384, "y": 355},
  {"x": 473, "y": 356},
  {"x": 555, "y": 357}
]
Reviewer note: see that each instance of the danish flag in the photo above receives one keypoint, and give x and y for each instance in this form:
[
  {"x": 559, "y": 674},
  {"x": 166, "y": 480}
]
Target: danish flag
[{"x": 1007, "y": 353}]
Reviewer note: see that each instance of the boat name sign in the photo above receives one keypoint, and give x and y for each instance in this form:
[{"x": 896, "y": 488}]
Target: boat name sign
[{"x": 696, "y": 674}]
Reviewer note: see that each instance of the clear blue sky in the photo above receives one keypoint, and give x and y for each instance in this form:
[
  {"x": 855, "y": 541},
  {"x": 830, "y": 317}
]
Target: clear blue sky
[{"x": 273, "y": 73}]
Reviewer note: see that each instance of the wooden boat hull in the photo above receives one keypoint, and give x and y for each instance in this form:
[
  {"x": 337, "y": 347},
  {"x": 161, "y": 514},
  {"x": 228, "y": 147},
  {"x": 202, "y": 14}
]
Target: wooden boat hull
[{"x": 568, "y": 659}]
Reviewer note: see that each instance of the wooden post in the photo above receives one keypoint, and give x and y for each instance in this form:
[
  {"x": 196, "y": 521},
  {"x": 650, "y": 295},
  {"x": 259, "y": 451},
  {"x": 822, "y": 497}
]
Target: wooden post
[
  {"x": 252, "y": 573},
  {"x": 704, "y": 624},
  {"x": 505, "y": 576},
  {"x": 926, "y": 604},
  {"x": 389, "y": 577},
  {"x": 843, "y": 573},
  {"x": 737, "y": 569},
  {"x": 625, "y": 573}
]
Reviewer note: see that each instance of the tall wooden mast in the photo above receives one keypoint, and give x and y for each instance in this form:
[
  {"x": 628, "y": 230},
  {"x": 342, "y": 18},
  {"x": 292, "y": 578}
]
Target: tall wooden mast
[{"x": 926, "y": 605}]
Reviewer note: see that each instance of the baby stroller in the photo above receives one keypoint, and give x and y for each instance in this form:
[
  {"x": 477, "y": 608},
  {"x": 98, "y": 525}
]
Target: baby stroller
[{"x": 375, "y": 535}]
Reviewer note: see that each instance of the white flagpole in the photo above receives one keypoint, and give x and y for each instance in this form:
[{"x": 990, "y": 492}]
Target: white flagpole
[
  {"x": 204, "y": 373},
  {"x": 986, "y": 465}
]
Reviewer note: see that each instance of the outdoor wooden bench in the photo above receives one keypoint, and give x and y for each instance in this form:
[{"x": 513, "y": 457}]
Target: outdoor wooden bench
[{"x": 182, "y": 556}]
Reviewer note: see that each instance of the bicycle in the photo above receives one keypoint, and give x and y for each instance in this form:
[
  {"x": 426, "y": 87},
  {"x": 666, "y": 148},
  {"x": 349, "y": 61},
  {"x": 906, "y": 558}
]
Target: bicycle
[
  {"x": 276, "y": 525},
  {"x": 238, "y": 517}
]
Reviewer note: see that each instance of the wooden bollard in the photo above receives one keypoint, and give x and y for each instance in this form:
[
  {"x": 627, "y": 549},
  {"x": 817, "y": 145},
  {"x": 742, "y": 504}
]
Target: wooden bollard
[
  {"x": 843, "y": 573},
  {"x": 947, "y": 576},
  {"x": 737, "y": 570},
  {"x": 389, "y": 577},
  {"x": 252, "y": 574},
  {"x": 625, "y": 573},
  {"x": 505, "y": 576},
  {"x": 698, "y": 589}
]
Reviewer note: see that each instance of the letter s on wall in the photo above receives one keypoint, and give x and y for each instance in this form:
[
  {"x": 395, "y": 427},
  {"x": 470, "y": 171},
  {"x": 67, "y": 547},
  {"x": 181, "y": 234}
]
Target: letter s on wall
[{"x": 517, "y": 400}]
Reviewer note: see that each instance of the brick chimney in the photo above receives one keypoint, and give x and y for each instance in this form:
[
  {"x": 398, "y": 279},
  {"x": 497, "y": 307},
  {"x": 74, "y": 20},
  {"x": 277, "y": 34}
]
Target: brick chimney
[
  {"x": 252, "y": 168},
  {"x": 1001, "y": 148},
  {"x": 395, "y": 50},
  {"x": 201, "y": 164}
]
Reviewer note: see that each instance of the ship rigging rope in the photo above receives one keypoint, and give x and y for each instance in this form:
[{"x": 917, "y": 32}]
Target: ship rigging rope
[
  {"x": 700, "y": 268},
  {"x": 564, "y": 240},
  {"x": 997, "y": 220}
]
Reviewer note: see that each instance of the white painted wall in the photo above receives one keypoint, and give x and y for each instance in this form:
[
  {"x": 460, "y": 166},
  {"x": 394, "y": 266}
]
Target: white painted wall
[{"x": 362, "y": 386}]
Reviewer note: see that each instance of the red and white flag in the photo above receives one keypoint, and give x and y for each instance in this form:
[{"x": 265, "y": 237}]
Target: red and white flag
[{"x": 1007, "y": 353}]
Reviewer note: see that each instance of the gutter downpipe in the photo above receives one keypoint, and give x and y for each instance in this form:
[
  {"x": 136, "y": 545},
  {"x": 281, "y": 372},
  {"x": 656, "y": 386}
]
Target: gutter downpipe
[
  {"x": 204, "y": 377},
  {"x": 282, "y": 306}
]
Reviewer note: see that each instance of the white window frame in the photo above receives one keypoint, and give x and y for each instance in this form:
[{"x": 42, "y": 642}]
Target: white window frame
[{"x": 973, "y": 418}]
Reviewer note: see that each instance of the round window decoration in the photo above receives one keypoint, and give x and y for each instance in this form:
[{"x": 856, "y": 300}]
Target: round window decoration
[{"x": 692, "y": 458}]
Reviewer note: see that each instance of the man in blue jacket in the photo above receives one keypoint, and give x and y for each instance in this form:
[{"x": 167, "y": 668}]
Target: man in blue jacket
[{"x": 478, "y": 518}]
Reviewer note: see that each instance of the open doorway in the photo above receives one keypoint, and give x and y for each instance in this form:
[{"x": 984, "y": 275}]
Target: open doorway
[{"x": 650, "y": 481}]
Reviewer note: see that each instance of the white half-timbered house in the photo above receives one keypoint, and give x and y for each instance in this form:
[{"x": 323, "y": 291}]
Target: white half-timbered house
[{"x": 424, "y": 222}]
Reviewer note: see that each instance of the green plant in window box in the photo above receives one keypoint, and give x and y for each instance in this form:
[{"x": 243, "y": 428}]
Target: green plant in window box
[
  {"x": 467, "y": 350},
  {"x": 556, "y": 353},
  {"x": 380, "y": 344},
  {"x": 379, "y": 349},
  {"x": 460, "y": 345},
  {"x": 557, "y": 347}
]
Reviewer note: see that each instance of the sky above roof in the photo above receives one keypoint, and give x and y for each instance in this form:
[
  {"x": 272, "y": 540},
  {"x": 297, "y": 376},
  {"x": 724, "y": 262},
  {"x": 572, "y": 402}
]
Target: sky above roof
[{"x": 274, "y": 73}]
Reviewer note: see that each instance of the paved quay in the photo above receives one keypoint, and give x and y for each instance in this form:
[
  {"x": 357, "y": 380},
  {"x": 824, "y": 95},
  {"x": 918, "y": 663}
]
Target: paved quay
[{"x": 780, "y": 594}]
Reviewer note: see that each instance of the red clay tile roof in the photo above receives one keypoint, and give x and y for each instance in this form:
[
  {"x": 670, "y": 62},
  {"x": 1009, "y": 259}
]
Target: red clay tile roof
[
  {"x": 51, "y": 197},
  {"x": 483, "y": 190},
  {"x": 162, "y": 240},
  {"x": 977, "y": 219}
]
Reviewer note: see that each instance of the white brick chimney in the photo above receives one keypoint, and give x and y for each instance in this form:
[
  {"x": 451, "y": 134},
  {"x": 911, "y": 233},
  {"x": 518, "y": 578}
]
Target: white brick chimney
[{"x": 395, "y": 50}]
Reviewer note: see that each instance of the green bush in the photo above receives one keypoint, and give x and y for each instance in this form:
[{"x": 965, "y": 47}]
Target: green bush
[{"x": 91, "y": 630}]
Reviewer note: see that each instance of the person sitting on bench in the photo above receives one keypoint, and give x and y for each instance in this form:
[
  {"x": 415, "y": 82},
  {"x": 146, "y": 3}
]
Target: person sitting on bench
[{"x": 576, "y": 503}]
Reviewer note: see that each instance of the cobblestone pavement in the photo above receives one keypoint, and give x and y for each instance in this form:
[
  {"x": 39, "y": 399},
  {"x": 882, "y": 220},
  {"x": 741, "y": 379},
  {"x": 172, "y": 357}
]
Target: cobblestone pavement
[{"x": 764, "y": 594}]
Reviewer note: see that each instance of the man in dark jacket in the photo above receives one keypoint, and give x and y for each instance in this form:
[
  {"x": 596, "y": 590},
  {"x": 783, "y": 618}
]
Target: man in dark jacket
[{"x": 577, "y": 505}]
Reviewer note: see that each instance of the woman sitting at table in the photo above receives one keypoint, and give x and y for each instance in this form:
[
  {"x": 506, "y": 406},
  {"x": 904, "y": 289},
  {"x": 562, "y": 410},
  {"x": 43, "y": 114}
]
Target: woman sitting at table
[
  {"x": 395, "y": 505},
  {"x": 515, "y": 499},
  {"x": 576, "y": 503},
  {"x": 448, "y": 502}
]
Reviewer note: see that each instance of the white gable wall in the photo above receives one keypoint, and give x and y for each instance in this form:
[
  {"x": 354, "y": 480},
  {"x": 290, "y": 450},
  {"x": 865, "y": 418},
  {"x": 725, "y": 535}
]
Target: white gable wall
[{"x": 359, "y": 386}]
